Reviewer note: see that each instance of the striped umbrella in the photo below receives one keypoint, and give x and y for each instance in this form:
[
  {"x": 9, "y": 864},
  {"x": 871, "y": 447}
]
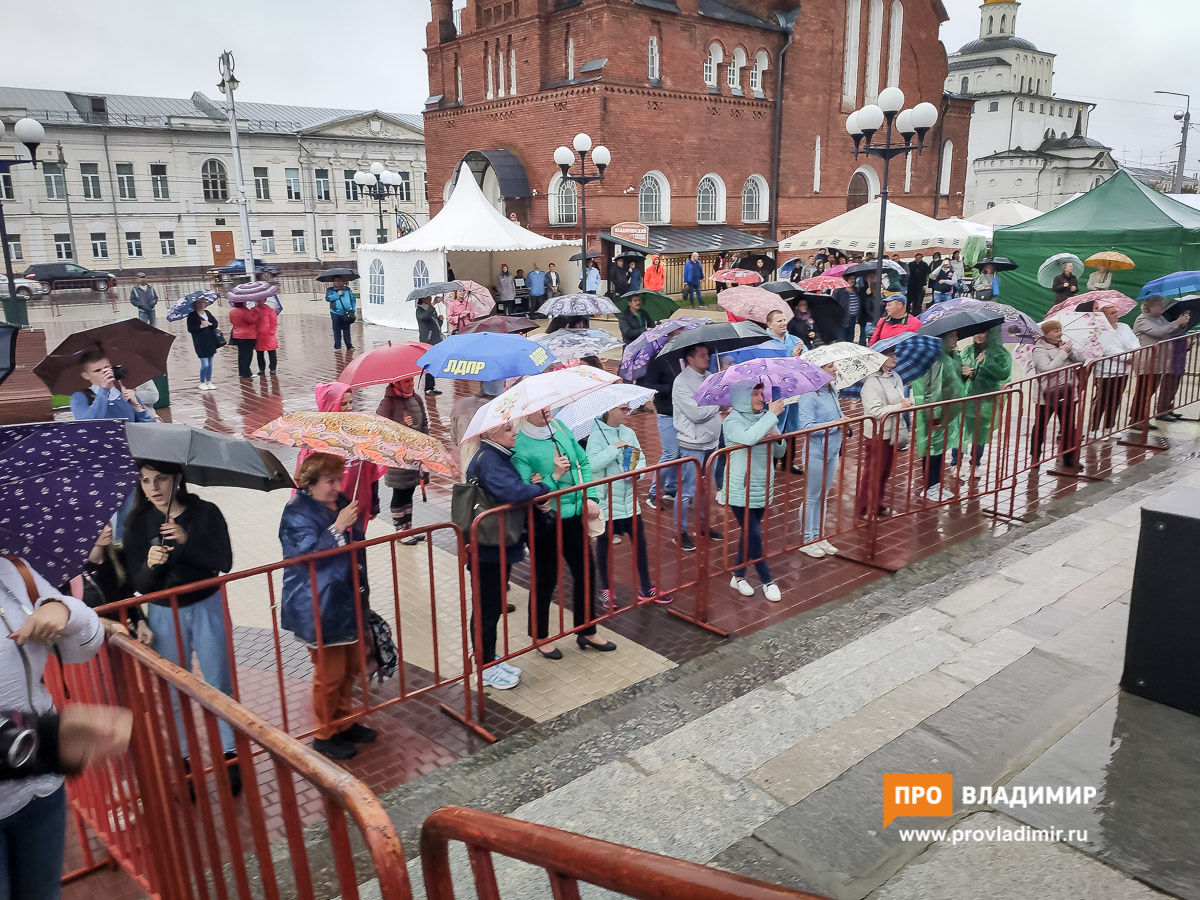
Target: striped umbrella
[{"x": 915, "y": 356}]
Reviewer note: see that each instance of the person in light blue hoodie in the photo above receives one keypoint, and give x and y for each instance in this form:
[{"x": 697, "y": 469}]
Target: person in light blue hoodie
[
  {"x": 749, "y": 477},
  {"x": 824, "y": 451}
]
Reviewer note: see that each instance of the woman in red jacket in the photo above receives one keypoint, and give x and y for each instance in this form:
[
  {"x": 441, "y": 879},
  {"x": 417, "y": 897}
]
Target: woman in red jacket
[
  {"x": 243, "y": 318},
  {"x": 267, "y": 341}
]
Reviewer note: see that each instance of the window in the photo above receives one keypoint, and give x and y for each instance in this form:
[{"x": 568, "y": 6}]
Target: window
[
  {"x": 375, "y": 282},
  {"x": 420, "y": 274},
  {"x": 321, "y": 177},
  {"x": 1039, "y": 85},
  {"x": 125, "y": 186},
  {"x": 14, "y": 247},
  {"x": 62, "y": 246},
  {"x": 512, "y": 69},
  {"x": 994, "y": 106},
  {"x": 291, "y": 183},
  {"x": 754, "y": 195},
  {"x": 1020, "y": 106},
  {"x": 458, "y": 84},
  {"x": 268, "y": 241},
  {"x": 991, "y": 24},
  {"x": 298, "y": 241},
  {"x": 91, "y": 180},
  {"x": 652, "y": 58},
  {"x": 564, "y": 205},
  {"x": 133, "y": 244},
  {"x": 715, "y": 57},
  {"x": 850, "y": 56},
  {"x": 817, "y": 166},
  {"x": 326, "y": 240},
  {"x": 356, "y": 238},
  {"x": 350, "y": 184},
  {"x": 166, "y": 243},
  {"x": 947, "y": 161},
  {"x": 404, "y": 187},
  {"x": 570, "y": 60},
  {"x": 99, "y": 245},
  {"x": 965, "y": 86},
  {"x": 262, "y": 186},
  {"x": 874, "y": 49},
  {"x": 733, "y": 73},
  {"x": 6, "y": 186},
  {"x": 158, "y": 182},
  {"x": 214, "y": 180},
  {"x": 756, "y": 74},
  {"x": 487, "y": 65},
  {"x": 710, "y": 200},
  {"x": 1043, "y": 108},
  {"x": 654, "y": 199},
  {"x": 499, "y": 69},
  {"x": 1070, "y": 112},
  {"x": 1003, "y": 23},
  {"x": 895, "y": 44}
]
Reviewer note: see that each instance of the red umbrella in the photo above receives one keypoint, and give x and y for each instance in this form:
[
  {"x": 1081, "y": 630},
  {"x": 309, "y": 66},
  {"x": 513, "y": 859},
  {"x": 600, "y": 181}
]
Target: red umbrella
[
  {"x": 500, "y": 325},
  {"x": 753, "y": 303},
  {"x": 737, "y": 276},
  {"x": 1095, "y": 301},
  {"x": 383, "y": 365},
  {"x": 820, "y": 283}
]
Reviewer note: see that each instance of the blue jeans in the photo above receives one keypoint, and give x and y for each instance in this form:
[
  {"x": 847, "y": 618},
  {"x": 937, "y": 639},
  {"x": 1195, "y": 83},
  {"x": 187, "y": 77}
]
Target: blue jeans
[
  {"x": 149, "y": 316},
  {"x": 203, "y": 625},
  {"x": 670, "y": 451},
  {"x": 31, "y": 849},
  {"x": 819, "y": 480},
  {"x": 687, "y": 488},
  {"x": 752, "y": 525},
  {"x": 341, "y": 330},
  {"x": 941, "y": 298},
  {"x": 692, "y": 292},
  {"x": 206, "y": 369}
]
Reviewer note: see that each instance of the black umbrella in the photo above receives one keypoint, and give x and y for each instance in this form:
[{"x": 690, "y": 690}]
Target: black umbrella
[
  {"x": 628, "y": 254},
  {"x": 750, "y": 261},
  {"x": 1001, "y": 263},
  {"x": 717, "y": 336},
  {"x": 434, "y": 289},
  {"x": 1176, "y": 308},
  {"x": 963, "y": 322},
  {"x": 131, "y": 343},
  {"x": 8, "y": 349},
  {"x": 330, "y": 274},
  {"x": 577, "y": 257},
  {"x": 784, "y": 289},
  {"x": 208, "y": 459}
]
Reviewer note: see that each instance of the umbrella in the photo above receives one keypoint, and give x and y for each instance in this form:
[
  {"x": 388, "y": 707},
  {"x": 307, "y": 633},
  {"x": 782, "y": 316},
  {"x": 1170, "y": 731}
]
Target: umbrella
[
  {"x": 870, "y": 267},
  {"x": 737, "y": 276},
  {"x": 999, "y": 263},
  {"x": 538, "y": 392},
  {"x": 1086, "y": 330},
  {"x": 1177, "y": 284},
  {"x": 575, "y": 343},
  {"x": 131, "y": 343},
  {"x": 581, "y": 415},
  {"x": 781, "y": 379},
  {"x": 915, "y": 356},
  {"x": 717, "y": 336},
  {"x": 750, "y": 262},
  {"x": 965, "y": 321},
  {"x": 499, "y": 325},
  {"x": 785, "y": 289},
  {"x": 770, "y": 348},
  {"x": 361, "y": 436},
  {"x": 434, "y": 289},
  {"x": 251, "y": 292},
  {"x": 478, "y": 298},
  {"x": 578, "y": 256},
  {"x": 836, "y": 271},
  {"x": 1095, "y": 301},
  {"x": 630, "y": 254},
  {"x": 640, "y": 351},
  {"x": 383, "y": 365},
  {"x": 60, "y": 482},
  {"x": 1017, "y": 327},
  {"x": 578, "y": 305},
  {"x": 209, "y": 459},
  {"x": 657, "y": 306},
  {"x": 1177, "y": 308},
  {"x": 1111, "y": 258},
  {"x": 484, "y": 356},
  {"x": 753, "y": 303},
  {"x": 1052, "y": 268},
  {"x": 786, "y": 270},
  {"x": 330, "y": 274},
  {"x": 184, "y": 305},
  {"x": 853, "y": 362},
  {"x": 8, "y": 349},
  {"x": 819, "y": 283}
]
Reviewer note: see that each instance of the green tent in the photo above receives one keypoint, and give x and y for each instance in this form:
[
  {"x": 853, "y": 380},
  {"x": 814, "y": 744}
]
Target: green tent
[{"x": 1161, "y": 235}]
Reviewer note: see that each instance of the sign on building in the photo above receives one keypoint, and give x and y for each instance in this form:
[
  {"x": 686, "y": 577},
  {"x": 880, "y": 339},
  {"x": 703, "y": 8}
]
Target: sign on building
[{"x": 633, "y": 232}]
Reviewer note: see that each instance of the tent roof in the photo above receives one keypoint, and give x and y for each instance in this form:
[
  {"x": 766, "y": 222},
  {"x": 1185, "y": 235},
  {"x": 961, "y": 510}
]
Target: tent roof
[
  {"x": 858, "y": 230},
  {"x": 1008, "y": 213},
  {"x": 469, "y": 222}
]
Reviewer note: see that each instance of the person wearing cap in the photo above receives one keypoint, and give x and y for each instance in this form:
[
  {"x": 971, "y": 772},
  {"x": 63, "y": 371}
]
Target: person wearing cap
[
  {"x": 897, "y": 320},
  {"x": 144, "y": 299}
]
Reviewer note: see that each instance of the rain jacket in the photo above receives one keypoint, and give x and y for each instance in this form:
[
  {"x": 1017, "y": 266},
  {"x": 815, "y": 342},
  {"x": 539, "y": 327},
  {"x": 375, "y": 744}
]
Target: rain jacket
[
  {"x": 939, "y": 429},
  {"x": 660, "y": 376},
  {"x": 329, "y": 399},
  {"x": 819, "y": 408},
  {"x": 693, "y": 271},
  {"x": 1065, "y": 287},
  {"x": 429, "y": 329},
  {"x": 993, "y": 369},
  {"x": 307, "y": 527},
  {"x": 1150, "y": 330},
  {"x": 268, "y": 327},
  {"x": 244, "y": 323},
  {"x": 697, "y": 427},
  {"x": 532, "y": 455},
  {"x": 591, "y": 279},
  {"x": 395, "y": 406},
  {"x": 607, "y": 460},
  {"x": 655, "y": 277},
  {"x": 340, "y": 302},
  {"x": 889, "y": 327},
  {"x": 744, "y": 428},
  {"x": 506, "y": 287},
  {"x": 635, "y": 278}
]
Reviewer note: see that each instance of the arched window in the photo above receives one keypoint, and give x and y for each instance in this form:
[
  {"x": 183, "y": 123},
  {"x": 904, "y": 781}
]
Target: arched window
[
  {"x": 512, "y": 69},
  {"x": 562, "y": 201},
  {"x": 850, "y": 55},
  {"x": 1003, "y": 23},
  {"x": 965, "y": 85},
  {"x": 214, "y": 180},
  {"x": 570, "y": 59},
  {"x": 1020, "y": 106},
  {"x": 491, "y": 78},
  {"x": 710, "y": 200},
  {"x": 733, "y": 74},
  {"x": 500, "y": 69},
  {"x": 420, "y": 274},
  {"x": 947, "y": 161},
  {"x": 895, "y": 43},
  {"x": 458, "y": 83},
  {"x": 990, "y": 22},
  {"x": 715, "y": 57},
  {"x": 654, "y": 199},
  {"x": 754, "y": 199},
  {"x": 761, "y": 61},
  {"x": 652, "y": 58},
  {"x": 1022, "y": 84},
  {"x": 991, "y": 203},
  {"x": 874, "y": 50},
  {"x": 375, "y": 282}
]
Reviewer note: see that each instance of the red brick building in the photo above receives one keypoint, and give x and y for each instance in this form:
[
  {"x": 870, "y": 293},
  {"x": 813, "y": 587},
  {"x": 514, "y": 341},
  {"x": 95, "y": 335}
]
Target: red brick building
[{"x": 685, "y": 94}]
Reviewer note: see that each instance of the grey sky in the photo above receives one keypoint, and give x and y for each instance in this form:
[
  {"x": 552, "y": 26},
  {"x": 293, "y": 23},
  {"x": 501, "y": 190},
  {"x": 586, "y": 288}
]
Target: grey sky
[{"x": 369, "y": 54}]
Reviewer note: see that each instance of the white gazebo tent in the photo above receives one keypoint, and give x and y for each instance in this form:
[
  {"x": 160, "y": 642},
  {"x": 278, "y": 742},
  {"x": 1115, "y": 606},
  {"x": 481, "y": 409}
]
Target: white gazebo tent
[
  {"x": 857, "y": 231},
  {"x": 470, "y": 236},
  {"x": 1008, "y": 212}
]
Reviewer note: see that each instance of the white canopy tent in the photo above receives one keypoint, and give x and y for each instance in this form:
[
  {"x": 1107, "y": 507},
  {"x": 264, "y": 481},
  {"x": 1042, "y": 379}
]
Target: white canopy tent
[
  {"x": 1007, "y": 213},
  {"x": 858, "y": 231},
  {"x": 973, "y": 228},
  {"x": 470, "y": 236}
]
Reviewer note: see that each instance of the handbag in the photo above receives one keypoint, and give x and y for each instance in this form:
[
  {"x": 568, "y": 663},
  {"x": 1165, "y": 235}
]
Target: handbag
[
  {"x": 383, "y": 648},
  {"x": 222, "y": 341},
  {"x": 468, "y": 500},
  {"x": 350, "y": 316}
]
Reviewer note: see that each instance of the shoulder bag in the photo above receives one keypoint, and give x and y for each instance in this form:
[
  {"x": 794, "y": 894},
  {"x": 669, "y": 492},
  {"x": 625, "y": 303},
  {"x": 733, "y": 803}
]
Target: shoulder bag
[{"x": 469, "y": 499}]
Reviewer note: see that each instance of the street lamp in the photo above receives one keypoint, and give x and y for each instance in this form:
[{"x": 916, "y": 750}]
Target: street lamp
[
  {"x": 227, "y": 85},
  {"x": 30, "y": 133},
  {"x": 563, "y": 157},
  {"x": 862, "y": 126},
  {"x": 379, "y": 184},
  {"x": 1185, "y": 116}
]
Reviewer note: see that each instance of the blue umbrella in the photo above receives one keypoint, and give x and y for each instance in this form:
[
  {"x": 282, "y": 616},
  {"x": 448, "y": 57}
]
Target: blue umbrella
[
  {"x": 485, "y": 356},
  {"x": 1174, "y": 285},
  {"x": 915, "y": 356},
  {"x": 183, "y": 306}
]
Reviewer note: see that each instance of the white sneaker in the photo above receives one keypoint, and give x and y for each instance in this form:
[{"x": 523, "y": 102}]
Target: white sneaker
[
  {"x": 816, "y": 551},
  {"x": 510, "y": 669},
  {"x": 496, "y": 677},
  {"x": 742, "y": 586},
  {"x": 829, "y": 549},
  {"x": 939, "y": 494},
  {"x": 771, "y": 592}
]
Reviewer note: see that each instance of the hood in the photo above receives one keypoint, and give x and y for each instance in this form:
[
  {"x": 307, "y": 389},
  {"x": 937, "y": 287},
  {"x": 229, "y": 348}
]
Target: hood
[
  {"x": 739, "y": 398},
  {"x": 329, "y": 396},
  {"x": 492, "y": 388},
  {"x": 402, "y": 388}
]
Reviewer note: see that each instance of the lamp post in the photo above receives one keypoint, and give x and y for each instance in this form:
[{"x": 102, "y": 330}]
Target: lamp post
[
  {"x": 1185, "y": 116},
  {"x": 863, "y": 125},
  {"x": 564, "y": 157},
  {"x": 227, "y": 85},
  {"x": 30, "y": 133},
  {"x": 379, "y": 184}
]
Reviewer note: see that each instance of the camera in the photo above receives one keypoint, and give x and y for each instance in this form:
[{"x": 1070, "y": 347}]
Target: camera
[
  {"x": 18, "y": 742},
  {"x": 120, "y": 373}
]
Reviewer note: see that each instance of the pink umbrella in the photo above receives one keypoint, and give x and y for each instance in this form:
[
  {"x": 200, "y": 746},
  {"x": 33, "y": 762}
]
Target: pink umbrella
[
  {"x": 820, "y": 283},
  {"x": 737, "y": 276},
  {"x": 479, "y": 299},
  {"x": 837, "y": 271},
  {"x": 753, "y": 303},
  {"x": 1095, "y": 301}
]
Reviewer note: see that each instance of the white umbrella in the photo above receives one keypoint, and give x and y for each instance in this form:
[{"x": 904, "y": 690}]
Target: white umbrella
[
  {"x": 581, "y": 415},
  {"x": 1052, "y": 268},
  {"x": 858, "y": 230},
  {"x": 853, "y": 362},
  {"x": 538, "y": 392},
  {"x": 1086, "y": 330}
]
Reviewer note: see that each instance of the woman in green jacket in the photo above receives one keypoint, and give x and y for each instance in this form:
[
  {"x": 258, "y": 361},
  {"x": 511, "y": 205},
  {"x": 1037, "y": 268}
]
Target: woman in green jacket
[
  {"x": 749, "y": 482},
  {"x": 541, "y": 442},
  {"x": 940, "y": 428},
  {"x": 986, "y": 368}
]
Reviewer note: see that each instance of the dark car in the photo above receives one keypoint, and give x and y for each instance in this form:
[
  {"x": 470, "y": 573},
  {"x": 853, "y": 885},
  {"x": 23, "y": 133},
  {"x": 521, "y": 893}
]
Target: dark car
[
  {"x": 58, "y": 276},
  {"x": 238, "y": 267}
]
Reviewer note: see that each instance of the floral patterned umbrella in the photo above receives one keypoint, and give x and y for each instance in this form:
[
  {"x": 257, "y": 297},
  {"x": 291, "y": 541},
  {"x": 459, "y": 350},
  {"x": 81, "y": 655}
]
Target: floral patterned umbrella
[
  {"x": 184, "y": 305},
  {"x": 638, "y": 354},
  {"x": 575, "y": 343},
  {"x": 1086, "y": 331},
  {"x": 782, "y": 378},
  {"x": 853, "y": 362},
  {"x": 538, "y": 392},
  {"x": 1095, "y": 301},
  {"x": 737, "y": 276},
  {"x": 479, "y": 299},
  {"x": 361, "y": 436},
  {"x": 753, "y": 303},
  {"x": 578, "y": 305},
  {"x": 819, "y": 283}
]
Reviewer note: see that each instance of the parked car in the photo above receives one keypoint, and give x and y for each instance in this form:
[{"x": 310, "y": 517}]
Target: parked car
[
  {"x": 238, "y": 268},
  {"x": 43, "y": 277}
]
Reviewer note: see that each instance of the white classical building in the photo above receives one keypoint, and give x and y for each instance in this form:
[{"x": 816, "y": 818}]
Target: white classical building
[
  {"x": 146, "y": 183},
  {"x": 1026, "y": 144}
]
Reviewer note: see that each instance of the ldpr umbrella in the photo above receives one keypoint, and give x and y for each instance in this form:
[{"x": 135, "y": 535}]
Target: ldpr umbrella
[
  {"x": 537, "y": 392},
  {"x": 485, "y": 356},
  {"x": 657, "y": 306},
  {"x": 60, "y": 482},
  {"x": 753, "y": 303},
  {"x": 737, "y": 276},
  {"x": 637, "y": 356},
  {"x": 184, "y": 305},
  {"x": 999, "y": 263},
  {"x": 434, "y": 289},
  {"x": 1113, "y": 259},
  {"x": 853, "y": 362},
  {"x": 330, "y": 274},
  {"x": 361, "y": 436},
  {"x": 499, "y": 325},
  {"x": 1174, "y": 285},
  {"x": 209, "y": 459},
  {"x": 1095, "y": 301},
  {"x": 1052, "y": 268},
  {"x": 575, "y": 343},
  {"x": 819, "y": 283},
  {"x": 717, "y": 336},
  {"x": 1086, "y": 330},
  {"x": 479, "y": 299},
  {"x": 578, "y": 305},
  {"x": 915, "y": 356},
  {"x": 966, "y": 321},
  {"x": 141, "y": 349},
  {"x": 383, "y": 365},
  {"x": 781, "y": 380},
  {"x": 8, "y": 349},
  {"x": 1177, "y": 308},
  {"x": 581, "y": 415}
]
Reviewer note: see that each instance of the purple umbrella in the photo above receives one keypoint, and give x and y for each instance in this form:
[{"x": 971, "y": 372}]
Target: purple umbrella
[
  {"x": 184, "y": 305},
  {"x": 781, "y": 379},
  {"x": 60, "y": 482},
  {"x": 644, "y": 348},
  {"x": 1017, "y": 328}
]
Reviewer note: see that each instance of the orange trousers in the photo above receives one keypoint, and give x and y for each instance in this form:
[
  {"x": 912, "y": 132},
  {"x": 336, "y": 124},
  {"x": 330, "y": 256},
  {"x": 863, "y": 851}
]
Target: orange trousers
[{"x": 332, "y": 684}]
